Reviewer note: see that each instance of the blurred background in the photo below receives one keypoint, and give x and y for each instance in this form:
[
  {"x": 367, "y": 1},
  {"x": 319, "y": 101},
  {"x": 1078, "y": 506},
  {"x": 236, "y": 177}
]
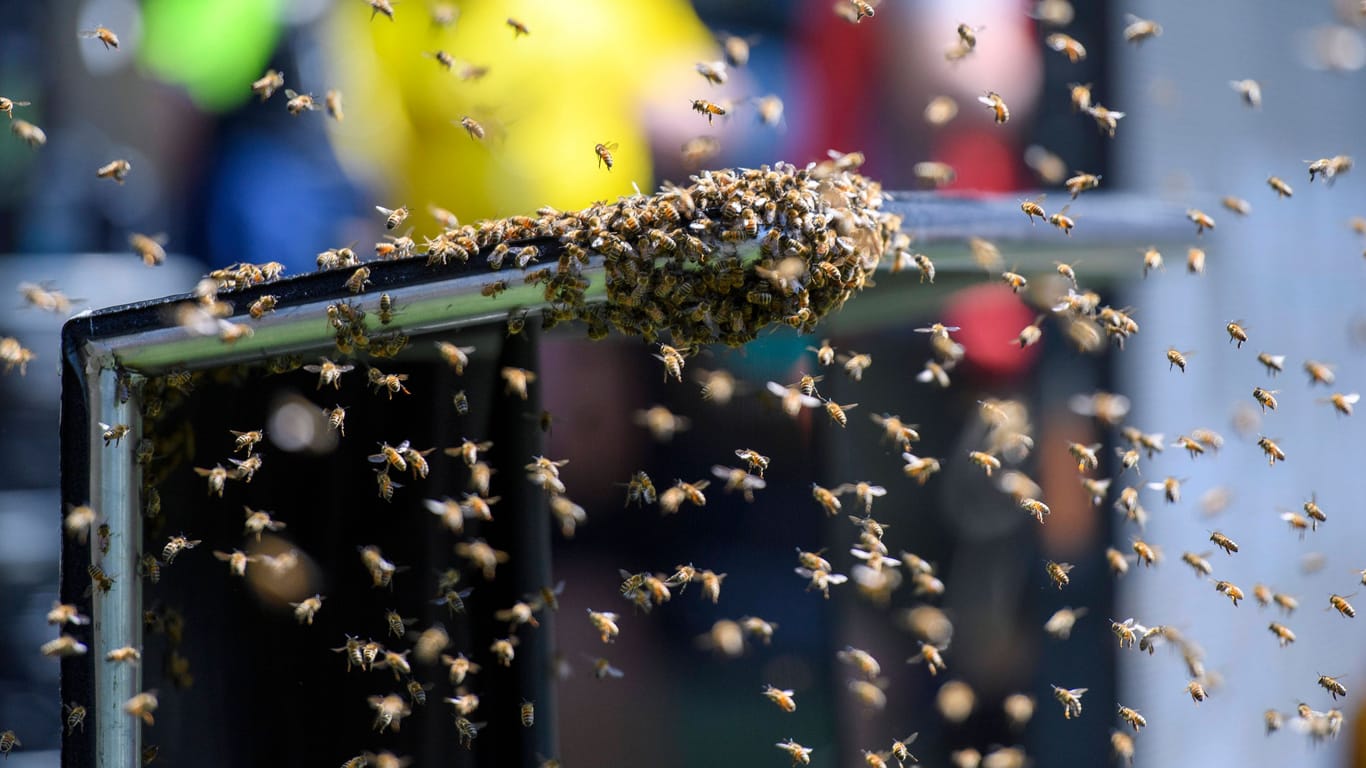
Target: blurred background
[{"x": 227, "y": 177}]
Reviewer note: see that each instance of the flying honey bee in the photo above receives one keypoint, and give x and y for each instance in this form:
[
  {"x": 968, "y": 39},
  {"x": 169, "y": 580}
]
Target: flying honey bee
[
  {"x": 1067, "y": 46},
  {"x": 1333, "y": 686},
  {"x": 1137, "y": 30},
  {"x": 1195, "y": 260},
  {"x": 1033, "y": 208},
  {"x": 518, "y": 28},
  {"x": 999, "y": 111},
  {"x": 1196, "y": 691},
  {"x": 1176, "y": 358},
  {"x": 116, "y": 170},
  {"x": 1148, "y": 555},
  {"x": 707, "y": 108},
  {"x": 1319, "y": 373},
  {"x": 393, "y": 217},
  {"x": 1249, "y": 90},
  {"x": 1340, "y": 604},
  {"x": 783, "y": 698},
  {"x": 515, "y": 381},
  {"x": 1070, "y": 698},
  {"x": 105, "y": 35},
  {"x": 1107, "y": 120},
  {"x": 1058, "y": 573},
  {"x": 1085, "y": 455},
  {"x": 385, "y": 7},
  {"x": 836, "y": 411},
  {"x": 1200, "y": 219},
  {"x": 800, "y": 755},
  {"x": 28, "y": 133},
  {"x": 472, "y": 127},
  {"x": 329, "y": 372},
  {"x": 1279, "y": 186},
  {"x": 1271, "y": 449},
  {"x": 1342, "y": 402},
  {"x": 1229, "y": 588},
  {"x": 1282, "y": 633},
  {"x": 299, "y": 103},
  {"x": 142, "y": 706},
  {"x": 7, "y": 106}
]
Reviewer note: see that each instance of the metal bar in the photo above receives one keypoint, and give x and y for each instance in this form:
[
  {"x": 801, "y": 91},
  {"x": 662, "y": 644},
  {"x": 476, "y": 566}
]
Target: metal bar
[{"x": 117, "y": 614}]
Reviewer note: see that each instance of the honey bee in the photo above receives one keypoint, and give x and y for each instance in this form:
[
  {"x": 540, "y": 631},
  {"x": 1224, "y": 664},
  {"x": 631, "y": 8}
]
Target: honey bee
[
  {"x": 836, "y": 411},
  {"x": 800, "y": 755},
  {"x": 1148, "y": 555},
  {"x": 515, "y": 381},
  {"x": 1060, "y": 624},
  {"x": 1070, "y": 700},
  {"x": 1067, "y": 46},
  {"x": 467, "y": 731},
  {"x": 770, "y": 110},
  {"x": 1249, "y": 90},
  {"x": 142, "y": 706},
  {"x": 673, "y": 360},
  {"x": 1229, "y": 588},
  {"x": 783, "y": 698},
  {"x": 1236, "y": 204},
  {"x": 75, "y": 716},
  {"x": 1085, "y": 455},
  {"x": 919, "y": 468},
  {"x": 993, "y": 101},
  {"x": 1319, "y": 373},
  {"x": 1058, "y": 573},
  {"x": 1081, "y": 182},
  {"x": 175, "y": 545},
  {"x": 1118, "y": 563},
  {"x": 1262, "y": 594},
  {"x": 7, "y": 106},
  {"x": 1132, "y": 717},
  {"x": 1279, "y": 186},
  {"x": 299, "y": 102},
  {"x": 127, "y": 653},
  {"x": 358, "y": 280},
  {"x": 459, "y": 667},
  {"x": 28, "y": 133},
  {"x": 1107, "y": 120},
  {"x": 1282, "y": 633},
  {"x": 385, "y": 7},
  {"x": 472, "y": 127},
  {"x": 1176, "y": 358},
  {"x": 105, "y": 35},
  {"x": 1340, "y": 604},
  {"x": 855, "y": 364},
  {"x": 389, "y": 711},
  {"x": 1342, "y": 402},
  {"x": 986, "y": 461},
  {"x": 1136, "y": 30},
  {"x": 332, "y": 101},
  {"x": 1195, "y": 260},
  {"x": 268, "y": 84},
  {"x": 1265, "y": 397},
  {"x": 707, "y": 108},
  {"x": 329, "y": 372},
  {"x": 1062, "y": 221},
  {"x": 116, "y": 170},
  {"x": 1200, "y": 219},
  {"x": 114, "y": 434},
  {"x": 1285, "y": 602},
  {"x": 518, "y": 28},
  {"x": 504, "y": 650},
  {"x": 1032, "y": 208},
  {"x": 1223, "y": 542},
  {"x": 1036, "y": 508},
  {"x": 393, "y": 217},
  {"x": 528, "y": 714},
  {"x": 1271, "y": 449},
  {"x": 1198, "y": 563},
  {"x": 1196, "y": 691},
  {"x": 217, "y": 477},
  {"x": 1333, "y": 686},
  {"x": 827, "y": 499}
]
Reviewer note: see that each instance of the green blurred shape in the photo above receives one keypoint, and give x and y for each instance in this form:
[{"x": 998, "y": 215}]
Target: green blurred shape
[{"x": 214, "y": 48}]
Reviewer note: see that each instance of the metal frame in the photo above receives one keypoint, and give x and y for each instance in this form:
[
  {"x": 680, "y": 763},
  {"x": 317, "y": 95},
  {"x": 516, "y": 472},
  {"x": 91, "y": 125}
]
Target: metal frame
[{"x": 130, "y": 342}]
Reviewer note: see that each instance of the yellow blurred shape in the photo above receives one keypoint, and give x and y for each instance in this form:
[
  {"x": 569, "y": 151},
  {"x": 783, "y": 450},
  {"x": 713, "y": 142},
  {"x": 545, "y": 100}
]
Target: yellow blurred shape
[{"x": 584, "y": 75}]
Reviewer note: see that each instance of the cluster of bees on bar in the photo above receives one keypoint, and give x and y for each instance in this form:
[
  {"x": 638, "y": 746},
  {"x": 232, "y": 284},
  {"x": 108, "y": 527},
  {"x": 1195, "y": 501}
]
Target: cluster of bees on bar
[{"x": 716, "y": 261}]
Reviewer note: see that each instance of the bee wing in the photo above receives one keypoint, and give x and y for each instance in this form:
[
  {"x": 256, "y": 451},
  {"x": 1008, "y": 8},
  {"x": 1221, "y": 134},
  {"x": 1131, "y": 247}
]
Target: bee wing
[{"x": 380, "y": 208}]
